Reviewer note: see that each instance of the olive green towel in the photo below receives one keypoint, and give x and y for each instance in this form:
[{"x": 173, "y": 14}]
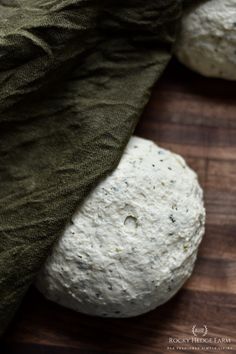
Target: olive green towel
[{"x": 75, "y": 76}]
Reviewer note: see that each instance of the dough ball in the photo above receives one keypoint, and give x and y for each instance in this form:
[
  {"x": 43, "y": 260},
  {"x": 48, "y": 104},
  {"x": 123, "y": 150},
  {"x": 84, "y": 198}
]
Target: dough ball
[
  {"x": 133, "y": 242},
  {"x": 207, "y": 40}
]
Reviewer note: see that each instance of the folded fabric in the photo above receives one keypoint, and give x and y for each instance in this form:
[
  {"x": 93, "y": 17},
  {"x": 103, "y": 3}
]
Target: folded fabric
[{"x": 75, "y": 76}]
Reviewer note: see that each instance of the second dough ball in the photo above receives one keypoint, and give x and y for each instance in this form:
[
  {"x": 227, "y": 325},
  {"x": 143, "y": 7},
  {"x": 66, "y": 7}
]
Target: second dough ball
[{"x": 207, "y": 40}]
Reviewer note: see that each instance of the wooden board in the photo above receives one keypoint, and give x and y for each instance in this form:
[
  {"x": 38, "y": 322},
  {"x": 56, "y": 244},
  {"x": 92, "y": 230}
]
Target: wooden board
[{"x": 195, "y": 117}]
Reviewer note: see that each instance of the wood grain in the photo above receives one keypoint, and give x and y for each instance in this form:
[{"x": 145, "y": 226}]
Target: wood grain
[{"x": 195, "y": 117}]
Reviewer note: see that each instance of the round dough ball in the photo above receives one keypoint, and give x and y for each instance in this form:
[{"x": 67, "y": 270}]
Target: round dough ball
[
  {"x": 133, "y": 242},
  {"x": 207, "y": 40}
]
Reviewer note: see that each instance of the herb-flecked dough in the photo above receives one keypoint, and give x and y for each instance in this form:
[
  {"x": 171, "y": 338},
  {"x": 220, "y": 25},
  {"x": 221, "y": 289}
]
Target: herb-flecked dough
[
  {"x": 207, "y": 39},
  {"x": 133, "y": 242}
]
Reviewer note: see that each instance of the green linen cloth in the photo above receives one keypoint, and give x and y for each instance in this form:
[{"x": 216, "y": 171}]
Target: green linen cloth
[{"x": 75, "y": 76}]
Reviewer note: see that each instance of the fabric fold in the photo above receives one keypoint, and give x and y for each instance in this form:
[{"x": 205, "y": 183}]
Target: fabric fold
[{"x": 75, "y": 77}]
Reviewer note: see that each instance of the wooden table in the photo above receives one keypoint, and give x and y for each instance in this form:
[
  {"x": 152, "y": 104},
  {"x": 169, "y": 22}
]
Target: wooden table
[{"x": 195, "y": 117}]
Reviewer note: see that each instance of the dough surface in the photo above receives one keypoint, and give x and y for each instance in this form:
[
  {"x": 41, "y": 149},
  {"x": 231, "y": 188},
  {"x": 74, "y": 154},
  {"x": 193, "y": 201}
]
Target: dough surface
[
  {"x": 133, "y": 242},
  {"x": 207, "y": 40}
]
